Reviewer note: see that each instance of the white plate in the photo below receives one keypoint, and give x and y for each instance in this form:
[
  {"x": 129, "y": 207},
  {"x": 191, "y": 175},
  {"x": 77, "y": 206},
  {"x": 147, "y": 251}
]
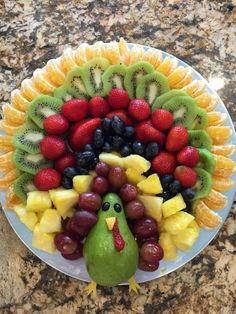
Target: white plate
[{"x": 77, "y": 269}]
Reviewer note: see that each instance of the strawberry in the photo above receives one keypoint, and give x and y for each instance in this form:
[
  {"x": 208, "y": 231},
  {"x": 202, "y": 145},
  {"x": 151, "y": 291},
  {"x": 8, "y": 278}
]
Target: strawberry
[
  {"x": 118, "y": 98},
  {"x": 162, "y": 119},
  {"x": 47, "y": 179},
  {"x": 67, "y": 160},
  {"x": 98, "y": 107},
  {"x": 56, "y": 124},
  {"x": 122, "y": 114},
  {"x": 75, "y": 109},
  {"x": 177, "y": 138},
  {"x": 139, "y": 109},
  {"x": 52, "y": 147},
  {"x": 146, "y": 133},
  {"x": 187, "y": 176},
  {"x": 164, "y": 163},
  {"x": 83, "y": 133},
  {"x": 188, "y": 156}
]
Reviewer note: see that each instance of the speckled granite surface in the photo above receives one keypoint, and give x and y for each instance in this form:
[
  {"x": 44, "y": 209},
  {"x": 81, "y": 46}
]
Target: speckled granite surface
[{"x": 199, "y": 32}]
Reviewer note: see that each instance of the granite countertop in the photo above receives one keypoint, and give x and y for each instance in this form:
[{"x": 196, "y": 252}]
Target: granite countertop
[{"x": 202, "y": 33}]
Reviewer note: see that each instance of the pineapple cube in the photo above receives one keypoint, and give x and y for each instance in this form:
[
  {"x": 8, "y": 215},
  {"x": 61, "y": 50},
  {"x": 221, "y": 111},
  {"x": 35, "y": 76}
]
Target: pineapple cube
[
  {"x": 177, "y": 222},
  {"x": 112, "y": 159},
  {"x": 50, "y": 221},
  {"x": 137, "y": 162},
  {"x": 173, "y": 205},
  {"x": 185, "y": 239},
  {"x": 20, "y": 210},
  {"x": 193, "y": 225},
  {"x": 29, "y": 219},
  {"x": 43, "y": 241},
  {"x": 64, "y": 200},
  {"x": 152, "y": 205},
  {"x": 168, "y": 246},
  {"x": 133, "y": 176},
  {"x": 38, "y": 201},
  {"x": 82, "y": 183},
  {"x": 151, "y": 185},
  {"x": 69, "y": 213}
]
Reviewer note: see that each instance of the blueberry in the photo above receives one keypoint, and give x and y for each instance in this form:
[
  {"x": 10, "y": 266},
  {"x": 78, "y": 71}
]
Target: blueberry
[
  {"x": 138, "y": 147},
  {"x": 107, "y": 148},
  {"x": 188, "y": 207},
  {"x": 106, "y": 125},
  {"x": 125, "y": 151},
  {"x": 88, "y": 148},
  {"x": 98, "y": 138},
  {"x": 70, "y": 172},
  {"x": 166, "y": 195},
  {"x": 147, "y": 173},
  {"x": 83, "y": 171},
  {"x": 152, "y": 150},
  {"x": 85, "y": 159},
  {"x": 175, "y": 187},
  {"x": 129, "y": 132},
  {"x": 66, "y": 182},
  {"x": 188, "y": 194},
  {"x": 117, "y": 142},
  {"x": 166, "y": 180},
  {"x": 93, "y": 165},
  {"x": 117, "y": 125}
]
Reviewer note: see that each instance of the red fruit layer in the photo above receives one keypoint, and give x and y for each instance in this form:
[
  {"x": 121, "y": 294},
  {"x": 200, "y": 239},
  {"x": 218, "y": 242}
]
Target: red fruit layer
[
  {"x": 52, "y": 147},
  {"x": 47, "y": 179},
  {"x": 75, "y": 109},
  {"x": 67, "y": 160},
  {"x": 122, "y": 114},
  {"x": 146, "y": 133},
  {"x": 162, "y": 119},
  {"x": 118, "y": 98},
  {"x": 164, "y": 163},
  {"x": 98, "y": 107},
  {"x": 177, "y": 138},
  {"x": 139, "y": 109},
  {"x": 188, "y": 156},
  {"x": 56, "y": 124},
  {"x": 187, "y": 176}
]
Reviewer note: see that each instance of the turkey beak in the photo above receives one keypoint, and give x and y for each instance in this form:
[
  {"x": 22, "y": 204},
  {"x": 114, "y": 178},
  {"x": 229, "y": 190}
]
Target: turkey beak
[{"x": 110, "y": 222}]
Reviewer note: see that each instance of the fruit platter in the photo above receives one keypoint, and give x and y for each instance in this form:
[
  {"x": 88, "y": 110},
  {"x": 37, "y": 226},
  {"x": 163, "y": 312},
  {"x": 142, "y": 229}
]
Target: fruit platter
[{"x": 117, "y": 163}]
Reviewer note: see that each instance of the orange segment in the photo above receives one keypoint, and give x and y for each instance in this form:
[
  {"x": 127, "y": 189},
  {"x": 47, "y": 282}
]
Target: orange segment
[
  {"x": 6, "y": 139},
  {"x": 195, "y": 88},
  {"x": 224, "y": 166},
  {"x": 4, "y": 185},
  {"x": 42, "y": 81},
  {"x": 219, "y": 134},
  {"x": 9, "y": 176},
  {"x": 216, "y": 118},
  {"x": 205, "y": 217},
  {"x": 68, "y": 60},
  {"x": 215, "y": 200},
  {"x": 165, "y": 66},
  {"x": 152, "y": 56},
  {"x": 177, "y": 76},
  {"x": 82, "y": 54},
  {"x": 213, "y": 104},
  {"x": 13, "y": 115},
  {"x": 136, "y": 53},
  {"x": 8, "y": 128},
  {"x": 11, "y": 198},
  {"x": 226, "y": 150},
  {"x": 6, "y": 148},
  {"x": 18, "y": 100},
  {"x": 186, "y": 80},
  {"x": 7, "y": 167},
  {"x": 203, "y": 100},
  {"x": 29, "y": 90},
  {"x": 112, "y": 53},
  {"x": 98, "y": 49},
  {"x": 54, "y": 72},
  {"x": 124, "y": 51},
  {"x": 222, "y": 184},
  {"x": 6, "y": 157}
]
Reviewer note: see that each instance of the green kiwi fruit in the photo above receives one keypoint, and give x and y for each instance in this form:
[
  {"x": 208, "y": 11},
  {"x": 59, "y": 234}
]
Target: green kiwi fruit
[
  {"x": 24, "y": 184},
  {"x": 207, "y": 160},
  {"x": 42, "y": 107},
  {"x": 92, "y": 73},
  {"x": 114, "y": 77},
  {"x": 161, "y": 100},
  {"x": 199, "y": 139},
  {"x": 183, "y": 109},
  {"x": 62, "y": 93},
  {"x": 152, "y": 85},
  {"x": 74, "y": 83},
  {"x": 203, "y": 185},
  {"x": 201, "y": 119},
  {"x": 30, "y": 163},
  {"x": 133, "y": 73}
]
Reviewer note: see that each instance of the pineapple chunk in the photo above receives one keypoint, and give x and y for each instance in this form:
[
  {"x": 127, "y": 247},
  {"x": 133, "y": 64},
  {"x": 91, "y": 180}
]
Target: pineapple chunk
[
  {"x": 69, "y": 213},
  {"x": 194, "y": 226},
  {"x": 173, "y": 205},
  {"x": 50, "y": 221},
  {"x": 133, "y": 176},
  {"x": 168, "y": 246},
  {"x": 82, "y": 183},
  {"x": 185, "y": 239},
  {"x": 137, "y": 162},
  {"x": 112, "y": 159},
  {"x": 64, "y": 200},
  {"x": 20, "y": 210},
  {"x": 29, "y": 219},
  {"x": 43, "y": 241},
  {"x": 177, "y": 222},
  {"x": 38, "y": 201},
  {"x": 152, "y": 205},
  {"x": 151, "y": 185}
]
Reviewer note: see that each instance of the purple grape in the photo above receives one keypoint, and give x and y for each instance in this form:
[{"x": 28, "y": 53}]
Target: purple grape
[
  {"x": 144, "y": 227},
  {"x": 151, "y": 252},
  {"x": 65, "y": 244},
  {"x": 76, "y": 255},
  {"x": 72, "y": 225},
  {"x": 85, "y": 218}
]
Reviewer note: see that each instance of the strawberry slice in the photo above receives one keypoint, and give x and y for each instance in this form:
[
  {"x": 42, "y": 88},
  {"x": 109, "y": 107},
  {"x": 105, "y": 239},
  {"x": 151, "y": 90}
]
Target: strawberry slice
[
  {"x": 83, "y": 133},
  {"x": 146, "y": 133}
]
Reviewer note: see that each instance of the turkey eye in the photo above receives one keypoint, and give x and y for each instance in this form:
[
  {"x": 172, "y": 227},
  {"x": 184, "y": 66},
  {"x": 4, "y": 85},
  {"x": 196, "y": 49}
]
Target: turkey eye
[
  {"x": 106, "y": 206},
  {"x": 117, "y": 208}
]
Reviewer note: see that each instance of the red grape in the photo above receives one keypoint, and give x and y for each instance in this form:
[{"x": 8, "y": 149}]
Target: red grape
[
  {"x": 90, "y": 201},
  {"x": 72, "y": 226},
  {"x": 145, "y": 227},
  {"x": 143, "y": 265},
  {"x": 85, "y": 218},
  {"x": 102, "y": 169},
  {"x": 65, "y": 244},
  {"x": 100, "y": 185},
  {"x": 141, "y": 240},
  {"x": 151, "y": 252},
  {"x": 134, "y": 210},
  {"x": 128, "y": 192},
  {"x": 76, "y": 255},
  {"x": 117, "y": 177}
]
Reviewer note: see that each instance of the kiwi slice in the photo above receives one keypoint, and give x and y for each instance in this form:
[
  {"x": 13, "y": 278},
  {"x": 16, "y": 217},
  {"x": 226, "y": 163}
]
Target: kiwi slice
[
  {"x": 201, "y": 119},
  {"x": 24, "y": 184},
  {"x": 161, "y": 100},
  {"x": 203, "y": 185},
  {"x": 42, "y": 107},
  {"x": 62, "y": 93},
  {"x": 114, "y": 77},
  {"x": 74, "y": 83},
  {"x": 92, "y": 73},
  {"x": 30, "y": 163},
  {"x": 134, "y": 72},
  {"x": 152, "y": 85},
  {"x": 183, "y": 109},
  {"x": 207, "y": 160},
  {"x": 199, "y": 139}
]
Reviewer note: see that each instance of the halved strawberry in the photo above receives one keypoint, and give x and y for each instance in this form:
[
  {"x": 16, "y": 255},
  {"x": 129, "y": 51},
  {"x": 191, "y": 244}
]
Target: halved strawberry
[{"x": 146, "y": 133}]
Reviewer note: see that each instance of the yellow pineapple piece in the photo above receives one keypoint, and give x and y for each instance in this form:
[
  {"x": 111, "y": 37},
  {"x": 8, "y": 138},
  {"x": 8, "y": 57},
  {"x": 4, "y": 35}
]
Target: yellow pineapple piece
[
  {"x": 19, "y": 209},
  {"x": 111, "y": 159},
  {"x": 173, "y": 205},
  {"x": 151, "y": 185},
  {"x": 185, "y": 239},
  {"x": 152, "y": 206},
  {"x": 38, "y": 201},
  {"x": 133, "y": 176},
  {"x": 43, "y": 241},
  {"x": 82, "y": 183},
  {"x": 50, "y": 221},
  {"x": 168, "y": 246},
  {"x": 69, "y": 213},
  {"x": 64, "y": 200},
  {"x": 137, "y": 162},
  {"x": 29, "y": 219},
  {"x": 177, "y": 222}
]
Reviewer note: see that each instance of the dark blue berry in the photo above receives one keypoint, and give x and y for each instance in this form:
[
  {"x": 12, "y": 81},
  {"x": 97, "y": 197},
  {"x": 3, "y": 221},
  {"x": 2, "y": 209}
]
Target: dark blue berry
[
  {"x": 117, "y": 142},
  {"x": 98, "y": 138},
  {"x": 129, "y": 132},
  {"x": 175, "y": 187},
  {"x": 70, "y": 172},
  {"x": 117, "y": 125},
  {"x": 125, "y": 151},
  {"x": 93, "y": 165},
  {"x": 88, "y": 148},
  {"x": 66, "y": 182},
  {"x": 188, "y": 194},
  {"x": 84, "y": 159},
  {"x": 166, "y": 180},
  {"x": 188, "y": 207},
  {"x": 83, "y": 171},
  {"x": 107, "y": 148},
  {"x": 106, "y": 125},
  {"x": 138, "y": 147},
  {"x": 148, "y": 173},
  {"x": 165, "y": 195},
  {"x": 152, "y": 150}
]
